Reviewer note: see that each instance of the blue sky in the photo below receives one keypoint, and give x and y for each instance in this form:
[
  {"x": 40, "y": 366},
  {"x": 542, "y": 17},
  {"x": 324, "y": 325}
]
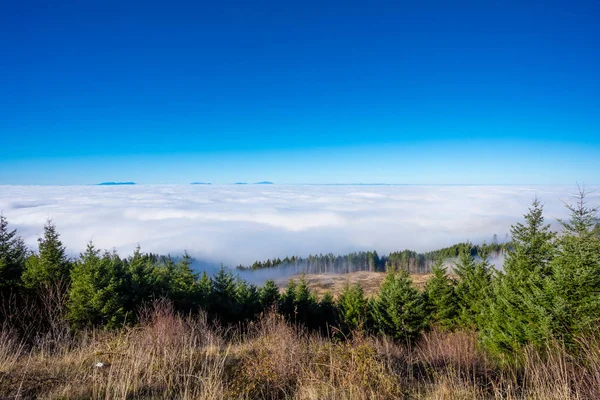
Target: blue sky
[{"x": 300, "y": 92}]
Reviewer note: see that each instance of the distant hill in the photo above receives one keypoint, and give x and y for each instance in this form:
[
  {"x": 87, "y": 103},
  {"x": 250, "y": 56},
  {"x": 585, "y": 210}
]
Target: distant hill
[
  {"x": 200, "y": 183},
  {"x": 241, "y": 183},
  {"x": 264, "y": 183},
  {"x": 115, "y": 183}
]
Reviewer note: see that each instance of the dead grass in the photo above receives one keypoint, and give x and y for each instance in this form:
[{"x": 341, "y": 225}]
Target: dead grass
[
  {"x": 169, "y": 356},
  {"x": 334, "y": 283}
]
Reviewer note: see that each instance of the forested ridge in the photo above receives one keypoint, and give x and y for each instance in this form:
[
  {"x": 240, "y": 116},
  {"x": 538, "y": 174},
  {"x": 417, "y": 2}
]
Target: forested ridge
[{"x": 549, "y": 290}]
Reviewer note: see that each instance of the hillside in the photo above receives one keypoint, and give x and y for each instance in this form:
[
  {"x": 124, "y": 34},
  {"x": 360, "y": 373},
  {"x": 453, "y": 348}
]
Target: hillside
[{"x": 334, "y": 283}]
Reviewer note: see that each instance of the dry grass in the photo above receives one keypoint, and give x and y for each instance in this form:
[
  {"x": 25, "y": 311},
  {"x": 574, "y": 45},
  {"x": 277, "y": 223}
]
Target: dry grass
[
  {"x": 169, "y": 356},
  {"x": 334, "y": 283}
]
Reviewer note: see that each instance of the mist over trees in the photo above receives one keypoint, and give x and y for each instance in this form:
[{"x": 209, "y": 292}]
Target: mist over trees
[{"x": 408, "y": 260}]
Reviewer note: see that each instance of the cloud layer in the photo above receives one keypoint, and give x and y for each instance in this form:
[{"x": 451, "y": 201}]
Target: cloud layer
[{"x": 240, "y": 224}]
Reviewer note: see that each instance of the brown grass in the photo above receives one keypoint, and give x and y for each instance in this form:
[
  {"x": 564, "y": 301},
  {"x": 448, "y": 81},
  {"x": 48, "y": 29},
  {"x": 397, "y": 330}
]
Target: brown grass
[
  {"x": 334, "y": 283},
  {"x": 169, "y": 356}
]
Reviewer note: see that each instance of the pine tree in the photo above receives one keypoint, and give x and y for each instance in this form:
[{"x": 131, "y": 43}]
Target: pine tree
[
  {"x": 141, "y": 280},
  {"x": 182, "y": 284},
  {"x": 97, "y": 294},
  {"x": 248, "y": 300},
  {"x": 574, "y": 284},
  {"x": 13, "y": 254},
  {"x": 306, "y": 304},
  {"x": 442, "y": 302},
  {"x": 352, "y": 307},
  {"x": 399, "y": 311},
  {"x": 204, "y": 291},
  {"x": 517, "y": 310},
  {"x": 287, "y": 301},
  {"x": 269, "y": 294},
  {"x": 223, "y": 304},
  {"x": 473, "y": 287},
  {"x": 327, "y": 313},
  {"x": 51, "y": 265}
]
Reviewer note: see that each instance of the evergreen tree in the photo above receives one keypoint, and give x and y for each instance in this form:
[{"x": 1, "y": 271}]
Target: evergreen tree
[
  {"x": 248, "y": 301},
  {"x": 204, "y": 291},
  {"x": 306, "y": 304},
  {"x": 473, "y": 287},
  {"x": 12, "y": 256},
  {"x": 269, "y": 294},
  {"x": 442, "y": 303},
  {"x": 352, "y": 307},
  {"x": 223, "y": 304},
  {"x": 575, "y": 281},
  {"x": 287, "y": 300},
  {"x": 141, "y": 280},
  {"x": 517, "y": 310},
  {"x": 182, "y": 284},
  {"x": 51, "y": 265},
  {"x": 399, "y": 310},
  {"x": 97, "y": 297},
  {"x": 327, "y": 313}
]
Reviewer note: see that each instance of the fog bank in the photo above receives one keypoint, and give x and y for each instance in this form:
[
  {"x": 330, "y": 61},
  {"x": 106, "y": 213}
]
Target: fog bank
[{"x": 243, "y": 223}]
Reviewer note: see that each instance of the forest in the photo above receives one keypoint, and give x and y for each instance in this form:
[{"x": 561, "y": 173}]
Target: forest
[
  {"x": 409, "y": 260},
  {"x": 146, "y": 326}
]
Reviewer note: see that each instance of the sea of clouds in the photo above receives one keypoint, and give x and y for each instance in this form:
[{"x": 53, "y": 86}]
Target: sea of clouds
[{"x": 238, "y": 224}]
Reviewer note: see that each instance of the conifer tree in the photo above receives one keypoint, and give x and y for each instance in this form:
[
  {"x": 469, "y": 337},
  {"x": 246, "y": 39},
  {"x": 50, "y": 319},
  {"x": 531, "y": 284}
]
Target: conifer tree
[
  {"x": 97, "y": 293},
  {"x": 248, "y": 301},
  {"x": 574, "y": 285},
  {"x": 352, "y": 307},
  {"x": 141, "y": 280},
  {"x": 399, "y": 310},
  {"x": 223, "y": 304},
  {"x": 442, "y": 303},
  {"x": 12, "y": 256},
  {"x": 305, "y": 304},
  {"x": 473, "y": 287},
  {"x": 327, "y": 313},
  {"x": 204, "y": 291},
  {"x": 51, "y": 265},
  {"x": 517, "y": 310},
  {"x": 269, "y": 294},
  {"x": 182, "y": 287}
]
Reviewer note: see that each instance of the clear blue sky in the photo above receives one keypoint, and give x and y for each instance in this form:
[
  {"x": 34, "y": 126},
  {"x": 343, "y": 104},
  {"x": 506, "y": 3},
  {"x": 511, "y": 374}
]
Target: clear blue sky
[{"x": 300, "y": 92}]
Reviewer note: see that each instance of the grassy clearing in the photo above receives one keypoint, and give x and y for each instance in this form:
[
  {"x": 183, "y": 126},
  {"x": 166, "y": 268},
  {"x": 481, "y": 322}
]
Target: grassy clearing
[{"x": 334, "y": 283}]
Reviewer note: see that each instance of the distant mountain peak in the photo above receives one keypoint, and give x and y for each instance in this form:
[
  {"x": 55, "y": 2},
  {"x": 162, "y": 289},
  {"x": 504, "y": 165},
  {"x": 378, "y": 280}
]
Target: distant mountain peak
[
  {"x": 241, "y": 183},
  {"x": 200, "y": 183},
  {"x": 264, "y": 183},
  {"x": 115, "y": 183}
]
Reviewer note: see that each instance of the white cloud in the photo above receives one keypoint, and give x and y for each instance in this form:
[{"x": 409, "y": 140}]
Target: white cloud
[{"x": 240, "y": 224}]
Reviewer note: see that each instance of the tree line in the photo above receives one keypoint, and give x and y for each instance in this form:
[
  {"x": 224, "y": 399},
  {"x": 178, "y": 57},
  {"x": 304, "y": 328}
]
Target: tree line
[
  {"x": 409, "y": 260},
  {"x": 549, "y": 289}
]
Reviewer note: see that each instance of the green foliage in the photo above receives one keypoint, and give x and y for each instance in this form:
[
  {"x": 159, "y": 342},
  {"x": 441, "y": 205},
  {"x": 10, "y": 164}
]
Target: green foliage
[
  {"x": 298, "y": 304},
  {"x": 13, "y": 254},
  {"x": 352, "y": 308},
  {"x": 97, "y": 293},
  {"x": 516, "y": 312},
  {"x": 222, "y": 302},
  {"x": 399, "y": 310},
  {"x": 474, "y": 286},
  {"x": 248, "y": 301},
  {"x": 441, "y": 299},
  {"x": 327, "y": 313},
  {"x": 181, "y": 285},
  {"x": 574, "y": 284},
  {"x": 51, "y": 265},
  {"x": 142, "y": 280},
  {"x": 269, "y": 294}
]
